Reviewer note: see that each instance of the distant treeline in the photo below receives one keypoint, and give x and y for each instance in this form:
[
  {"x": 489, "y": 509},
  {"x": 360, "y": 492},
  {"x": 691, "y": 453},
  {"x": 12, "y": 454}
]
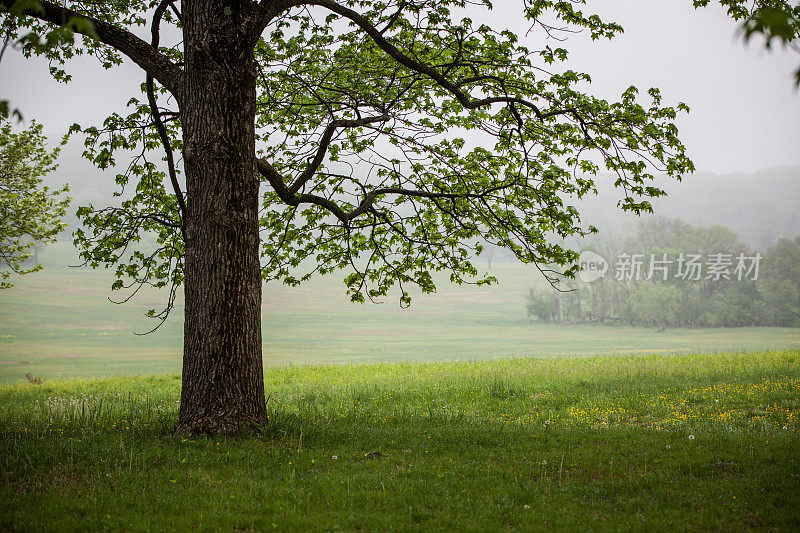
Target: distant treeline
[{"x": 670, "y": 274}]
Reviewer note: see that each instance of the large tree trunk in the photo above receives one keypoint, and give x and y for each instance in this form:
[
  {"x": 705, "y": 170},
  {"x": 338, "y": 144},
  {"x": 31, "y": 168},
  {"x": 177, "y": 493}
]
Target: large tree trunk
[{"x": 223, "y": 385}]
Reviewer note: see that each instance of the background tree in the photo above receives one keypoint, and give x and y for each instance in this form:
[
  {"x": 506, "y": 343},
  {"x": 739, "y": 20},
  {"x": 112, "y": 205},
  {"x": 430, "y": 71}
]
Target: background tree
[
  {"x": 740, "y": 306},
  {"x": 656, "y": 303},
  {"x": 391, "y": 136},
  {"x": 30, "y": 213},
  {"x": 542, "y": 306},
  {"x": 754, "y": 292},
  {"x": 780, "y": 283}
]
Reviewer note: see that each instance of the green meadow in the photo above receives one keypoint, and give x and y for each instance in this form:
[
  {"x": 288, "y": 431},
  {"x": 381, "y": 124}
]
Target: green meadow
[
  {"x": 666, "y": 442},
  {"x": 60, "y": 323},
  {"x": 458, "y": 414}
]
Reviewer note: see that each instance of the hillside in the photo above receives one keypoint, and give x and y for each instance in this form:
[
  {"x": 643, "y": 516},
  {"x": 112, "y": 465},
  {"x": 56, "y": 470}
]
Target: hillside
[{"x": 760, "y": 207}]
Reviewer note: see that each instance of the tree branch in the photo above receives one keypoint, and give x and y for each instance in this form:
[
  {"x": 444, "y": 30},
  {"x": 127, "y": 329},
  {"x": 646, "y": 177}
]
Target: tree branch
[
  {"x": 324, "y": 143},
  {"x": 453, "y": 88},
  {"x": 290, "y": 198},
  {"x": 162, "y": 130},
  {"x": 147, "y": 57}
]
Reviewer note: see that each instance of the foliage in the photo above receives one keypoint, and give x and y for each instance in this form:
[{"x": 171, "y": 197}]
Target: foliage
[
  {"x": 655, "y": 302},
  {"x": 363, "y": 110},
  {"x": 40, "y": 39},
  {"x": 30, "y": 213},
  {"x": 781, "y": 285},
  {"x": 542, "y": 306}
]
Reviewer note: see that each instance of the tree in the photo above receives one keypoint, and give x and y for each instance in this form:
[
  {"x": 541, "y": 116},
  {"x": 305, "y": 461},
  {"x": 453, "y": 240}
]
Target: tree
[
  {"x": 542, "y": 305},
  {"x": 391, "y": 136},
  {"x": 656, "y": 303},
  {"x": 740, "y": 306},
  {"x": 30, "y": 213},
  {"x": 780, "y": 283},
  {"x": 488, "y": 252}
]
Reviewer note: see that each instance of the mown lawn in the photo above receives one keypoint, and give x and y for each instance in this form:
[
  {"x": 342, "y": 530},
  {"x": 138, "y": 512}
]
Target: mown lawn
[{"x": 665, "y": 442}]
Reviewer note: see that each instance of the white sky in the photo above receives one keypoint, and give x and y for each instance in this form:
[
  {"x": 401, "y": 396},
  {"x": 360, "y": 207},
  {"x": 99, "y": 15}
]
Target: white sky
[{"x": 745, "y": 109}]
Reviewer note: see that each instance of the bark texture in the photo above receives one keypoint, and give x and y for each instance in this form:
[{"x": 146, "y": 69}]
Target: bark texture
[{"x": 223, "y": 385}]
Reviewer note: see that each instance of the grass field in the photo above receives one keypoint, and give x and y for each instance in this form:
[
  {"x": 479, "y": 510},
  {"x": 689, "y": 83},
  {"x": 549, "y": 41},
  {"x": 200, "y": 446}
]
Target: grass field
[
  {"x": 59, "y": 323},
  {"x": 667, "y": 442}
]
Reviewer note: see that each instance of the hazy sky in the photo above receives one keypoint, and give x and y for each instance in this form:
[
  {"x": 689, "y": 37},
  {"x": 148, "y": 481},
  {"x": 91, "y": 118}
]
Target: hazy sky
[{"x": 745, "y": 110}]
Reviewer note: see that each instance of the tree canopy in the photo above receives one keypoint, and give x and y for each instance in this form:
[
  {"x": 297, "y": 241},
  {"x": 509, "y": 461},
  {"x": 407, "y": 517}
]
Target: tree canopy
[
  {"x": 395, "y": 138},
  {"x": 30, "y": 213}
]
